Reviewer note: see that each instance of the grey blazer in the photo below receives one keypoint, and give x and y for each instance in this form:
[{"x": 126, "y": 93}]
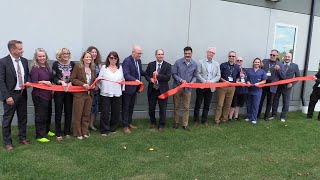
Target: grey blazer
[{"x": 202, "y": 74}]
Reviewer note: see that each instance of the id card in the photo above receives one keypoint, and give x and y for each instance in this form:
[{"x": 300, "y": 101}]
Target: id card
[
  {"x": 268, "y": 73},
  {"x": 230, "y": 79}
]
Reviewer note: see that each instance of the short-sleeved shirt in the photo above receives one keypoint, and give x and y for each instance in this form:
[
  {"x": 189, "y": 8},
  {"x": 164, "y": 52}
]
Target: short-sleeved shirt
[
  {"x": 255, "y": 77},
  {"x": 228, "y": 70}
]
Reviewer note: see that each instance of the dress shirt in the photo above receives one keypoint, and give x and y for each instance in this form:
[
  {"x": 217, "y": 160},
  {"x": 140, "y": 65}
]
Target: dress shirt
[{"x": 15, "y": 64}]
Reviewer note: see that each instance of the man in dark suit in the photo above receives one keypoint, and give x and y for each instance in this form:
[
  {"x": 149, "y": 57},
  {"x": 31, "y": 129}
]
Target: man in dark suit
[
  {"x": 314, "y": 97},
  {"x": 14, "y": 72},
  {"x": 291, "y": 70},
  {"x": 275, "y": 72},
  {"x": 162, "y": 71},
  {"x": 132, "y": 71}
]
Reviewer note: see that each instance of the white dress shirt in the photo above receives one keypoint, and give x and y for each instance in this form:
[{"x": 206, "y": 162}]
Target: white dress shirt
[
  {"x": 107, "y": 88},
  {"x": 15, "y": 64}
]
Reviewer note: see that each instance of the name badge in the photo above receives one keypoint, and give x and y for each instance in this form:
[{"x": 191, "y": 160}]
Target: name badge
[
  {"x": 269, "y": 74},
  {"x": 230, "y": 79},
  {"x": 243, "y": 80}
]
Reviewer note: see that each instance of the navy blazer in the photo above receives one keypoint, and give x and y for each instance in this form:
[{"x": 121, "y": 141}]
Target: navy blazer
[
  {"x": 130, "y": 73},
  {"x": 163, "y": 76},
  {"x": 276, "y": 75},
  {"x": 8, "y": 76}
]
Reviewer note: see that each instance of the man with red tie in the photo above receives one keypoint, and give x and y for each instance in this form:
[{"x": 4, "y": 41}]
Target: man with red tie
[{"x": 14, "y": 72}]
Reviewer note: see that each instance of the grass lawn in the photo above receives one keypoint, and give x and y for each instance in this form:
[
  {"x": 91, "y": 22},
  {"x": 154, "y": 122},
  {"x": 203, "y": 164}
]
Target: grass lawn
[{"x": 237, "y": 150}]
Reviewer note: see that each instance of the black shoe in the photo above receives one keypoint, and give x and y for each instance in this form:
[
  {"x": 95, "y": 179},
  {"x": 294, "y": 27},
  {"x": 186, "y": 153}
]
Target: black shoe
[
  {"x": 308, "y": 118},
  {"x": 185, "y": 128},
  {"x": 175, "y": 126},
  {"x": 229, "y": 120}
]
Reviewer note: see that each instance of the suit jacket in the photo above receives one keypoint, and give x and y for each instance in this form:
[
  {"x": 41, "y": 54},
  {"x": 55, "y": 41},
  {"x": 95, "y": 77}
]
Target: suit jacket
[
  {"x": 315, "y": 86},
  {"x": 163, "y": 76},
  {"x": 291, "y": 72},
  {"x": 78, "y": 78},
  {"x": 276, "y": 75},
  {"x": 202, "y": 74},
  {"x": 8, "y": 76},
  {"x": 130, "y": 73}
]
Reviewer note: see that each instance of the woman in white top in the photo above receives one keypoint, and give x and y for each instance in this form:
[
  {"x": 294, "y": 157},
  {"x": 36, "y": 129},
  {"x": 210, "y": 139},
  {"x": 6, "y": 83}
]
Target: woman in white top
[{"x": 110, "y": 93}]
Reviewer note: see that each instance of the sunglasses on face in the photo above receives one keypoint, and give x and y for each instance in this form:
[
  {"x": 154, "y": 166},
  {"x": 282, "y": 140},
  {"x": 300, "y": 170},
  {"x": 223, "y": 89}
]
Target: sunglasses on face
[
  {"x": 273, "y": 55},
  {"x": 113, "y": 58}
]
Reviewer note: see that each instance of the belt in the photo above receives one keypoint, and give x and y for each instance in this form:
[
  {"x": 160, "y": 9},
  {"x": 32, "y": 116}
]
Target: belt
[{"x": 17, "y": 91}]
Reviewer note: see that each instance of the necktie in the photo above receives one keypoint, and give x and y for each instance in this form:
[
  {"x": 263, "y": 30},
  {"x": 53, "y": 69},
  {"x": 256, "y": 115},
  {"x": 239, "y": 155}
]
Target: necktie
[
  {"x": 156, "y": 84},
  {"x": 159, "y": 67},
  {"x": 137, "y": 65},
  {"x": 286, "y": 66},
  {"x": 19, "y": 73}
]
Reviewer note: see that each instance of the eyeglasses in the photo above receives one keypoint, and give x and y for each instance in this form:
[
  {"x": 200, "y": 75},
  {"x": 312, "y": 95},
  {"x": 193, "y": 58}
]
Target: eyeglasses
[
  {"x": 273, "y": 55},
  {"x": 113, "y": 58},
  {"x": 239, "y": 60},
  {"x": 232, "y": 56}
]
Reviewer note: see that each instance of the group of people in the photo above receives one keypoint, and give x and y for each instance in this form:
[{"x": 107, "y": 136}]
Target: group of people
[{"x": 112, "y": 99}]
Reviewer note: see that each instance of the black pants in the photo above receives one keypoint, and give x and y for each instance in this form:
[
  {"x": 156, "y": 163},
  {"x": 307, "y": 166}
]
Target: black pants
[
  {"x": 63, "y": 100},
  {"x": 285, "y": 102},
  {"x": 128, "y": 101},
  {"x": 107, "y": 105},
  {"x": 206, "y": 95},
  {"x": 270, "y": 95},
  {"x": 152, "y": 99},
  {"x": 43, "y": 110},
  {"x": 314, "y": 97},
  {"x": 20, "y": 105},
  {"x": 49, "y": 116}
]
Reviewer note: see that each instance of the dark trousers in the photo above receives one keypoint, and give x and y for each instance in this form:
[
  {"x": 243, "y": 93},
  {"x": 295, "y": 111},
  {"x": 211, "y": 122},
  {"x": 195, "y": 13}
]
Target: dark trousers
[
  {"x": 253, "y": 106},
  {"x": 152, "y": 99},
  {"x": 20, "y": 105},
  {"x": 270, "y": 95},
  {"x": 206, "y": 95},
  {"x": 314, "y": 97},
  {"x": 63, "y": 100},
  {"x": 285, "y": 102},
  {"x": 128, "y": 101},
  {"x": 107, "y": 105},
  {"x": 48, "y": 124},
  {"x": 41, "y": 108}
]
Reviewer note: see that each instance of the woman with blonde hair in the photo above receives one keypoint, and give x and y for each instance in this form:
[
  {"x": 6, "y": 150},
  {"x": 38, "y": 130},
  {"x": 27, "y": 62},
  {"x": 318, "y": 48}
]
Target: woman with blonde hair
[
  {"x": 84, "y": 75},
  {"x": 40, "y": 73},
  {"x": 61, "y": 72}
]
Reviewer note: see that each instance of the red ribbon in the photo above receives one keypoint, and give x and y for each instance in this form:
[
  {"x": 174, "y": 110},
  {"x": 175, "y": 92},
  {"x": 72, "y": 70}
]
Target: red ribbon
[
  {"x": 81, "y": 88},
  {"x": 228, "y": 84}
]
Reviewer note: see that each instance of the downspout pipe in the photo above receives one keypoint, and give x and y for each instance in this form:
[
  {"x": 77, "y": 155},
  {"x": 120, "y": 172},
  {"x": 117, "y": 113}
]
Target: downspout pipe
[{"x": 306, "y": 62}]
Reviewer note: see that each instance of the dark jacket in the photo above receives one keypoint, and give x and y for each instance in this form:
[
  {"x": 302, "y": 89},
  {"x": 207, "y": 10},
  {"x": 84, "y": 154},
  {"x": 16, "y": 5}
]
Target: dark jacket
[
  {"x": 8, "y": 76},
  {"x": 130, "y": 73},
  {"x": 163, "y": 76}
]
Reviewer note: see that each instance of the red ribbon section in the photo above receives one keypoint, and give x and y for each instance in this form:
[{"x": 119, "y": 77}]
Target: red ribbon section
[
  {"x": 81, "y": 88},
  {"x": 228, "y": 84}
]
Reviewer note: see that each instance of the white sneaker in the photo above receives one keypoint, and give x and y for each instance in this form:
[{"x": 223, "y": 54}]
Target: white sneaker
[
  {"x": 283, "y": 120},
  {"x": 104, "y": 135},
  {"x": 270, "y": 118},
  {"x": 80, "y": 137},
  {"x": 246, "y": 119},
  {"x": 86, "y": 136},
  {"x": 68, "y": 136},
  {"x": 254, "y": 122}
]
